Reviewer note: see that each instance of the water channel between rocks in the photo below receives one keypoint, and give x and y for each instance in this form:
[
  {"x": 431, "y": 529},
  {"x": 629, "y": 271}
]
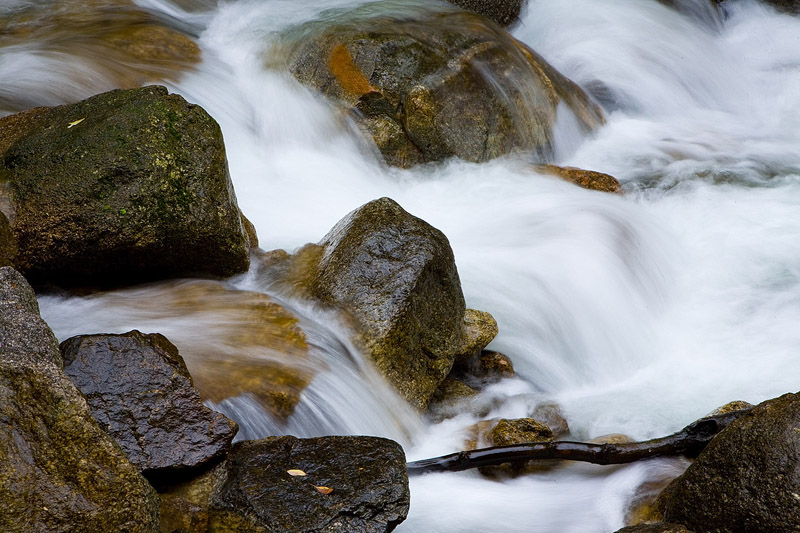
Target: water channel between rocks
[{"x": 635, "y": 313}]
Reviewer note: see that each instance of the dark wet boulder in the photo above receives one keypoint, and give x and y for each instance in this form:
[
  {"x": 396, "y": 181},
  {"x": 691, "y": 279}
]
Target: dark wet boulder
[
  {"x": 59, "y": 471},
  {"x": 290, "y": 485},
  {"x": 140, "y": 391},
  {"x": 503, "y": 12},
  {"x": 434, "y": 85},
  {"x": 395, "y": 276},
  {"x": 747, "y": 478},
  {"x": 122, "y": 187}
]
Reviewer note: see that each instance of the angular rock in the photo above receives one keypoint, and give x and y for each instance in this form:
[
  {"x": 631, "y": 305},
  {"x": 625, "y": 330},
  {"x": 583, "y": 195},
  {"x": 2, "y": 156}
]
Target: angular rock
[
  {"x": 503, "y": 12},
  {"x": 588, "y": 179},
  {"x": 747, "y": 478},
  {"x": 450, "y": 399},
  {"x": 438, "y": 85},
  {"x": 395, "y": 276},
  {"x": 787, "y": 6},
  {"x": 122, "y": 187},
  {"x": 59, "y": 471},
  {"x": 340, "y": 484},
  {"x": 139, "y": 389},
  {"x": 482, "y": 369}
]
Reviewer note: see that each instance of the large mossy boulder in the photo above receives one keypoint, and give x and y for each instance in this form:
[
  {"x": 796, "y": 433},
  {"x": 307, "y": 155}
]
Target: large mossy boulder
[
  {"x": 122, "y": 187},
  {"x": 138, "y": 388},
  {"x": 433, "y": 85},
  {"x": 59, "y": 471},
  {"x": 395, "y": 276},
  {"x": 747, "y": 478},
  {"x": 290, "y": 485}
]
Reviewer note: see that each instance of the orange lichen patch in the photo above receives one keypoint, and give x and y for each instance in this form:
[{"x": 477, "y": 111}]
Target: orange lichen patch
[
  {"x": 588, "y": 179},
  {"x": 350, "y": 78}
]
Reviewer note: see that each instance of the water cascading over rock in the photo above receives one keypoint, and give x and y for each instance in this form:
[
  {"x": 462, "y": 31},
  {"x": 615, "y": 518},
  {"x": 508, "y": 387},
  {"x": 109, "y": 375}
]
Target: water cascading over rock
[{"x": 446, "y": 84}]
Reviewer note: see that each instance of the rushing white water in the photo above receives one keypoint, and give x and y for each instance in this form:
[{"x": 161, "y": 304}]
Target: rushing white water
[{"x": 637, "y": 314}]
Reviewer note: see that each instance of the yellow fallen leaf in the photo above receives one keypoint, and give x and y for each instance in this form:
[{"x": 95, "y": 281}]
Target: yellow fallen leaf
[
  {"x": 295, "y": 472},
  {"x": 75, "y": 123},
  {"x": 323, "y": 490}
]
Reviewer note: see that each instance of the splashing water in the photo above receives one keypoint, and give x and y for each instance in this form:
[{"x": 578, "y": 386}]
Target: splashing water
[{"x": 637, "y": 314}]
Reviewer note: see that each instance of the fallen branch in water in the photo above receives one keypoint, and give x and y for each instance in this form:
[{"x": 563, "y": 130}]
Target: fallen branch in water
[{"x": 689, "y": 441}]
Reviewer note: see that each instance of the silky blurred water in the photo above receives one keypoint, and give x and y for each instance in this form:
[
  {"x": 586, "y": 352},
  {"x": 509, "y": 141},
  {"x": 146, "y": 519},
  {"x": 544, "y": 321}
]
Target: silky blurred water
[{"x": 636, "y": 313}]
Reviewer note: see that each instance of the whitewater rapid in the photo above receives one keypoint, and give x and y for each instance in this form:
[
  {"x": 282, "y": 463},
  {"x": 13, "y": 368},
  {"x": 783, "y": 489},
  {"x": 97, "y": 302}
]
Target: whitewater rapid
[{"x": 636, "y": 313}]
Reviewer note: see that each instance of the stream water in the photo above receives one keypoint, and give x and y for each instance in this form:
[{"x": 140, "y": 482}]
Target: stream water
[{"x": 635, "y": 313}]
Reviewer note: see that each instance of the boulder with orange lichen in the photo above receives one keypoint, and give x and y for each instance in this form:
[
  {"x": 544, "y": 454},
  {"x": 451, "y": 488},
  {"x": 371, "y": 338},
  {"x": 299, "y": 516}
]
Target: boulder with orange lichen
[{"x": 436, "y": 84}]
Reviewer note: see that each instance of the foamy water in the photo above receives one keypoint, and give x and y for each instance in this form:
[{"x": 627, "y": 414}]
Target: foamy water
[{"x": 637, "y": 314}]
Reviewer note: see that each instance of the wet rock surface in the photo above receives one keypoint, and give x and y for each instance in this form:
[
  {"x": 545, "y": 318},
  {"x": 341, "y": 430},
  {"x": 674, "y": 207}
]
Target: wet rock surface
[
  {"x": 140, "y": 391},
  {"x": 747, "y": 478},
  {"x": 503, "y": 12},
  {"x": 134, "y": 186},
  {"x": 395, "y": 276},
  {"x": 287, "y": 485},
  {"x": 59, "y": 471},
  {"x": 443, "y": 84}
]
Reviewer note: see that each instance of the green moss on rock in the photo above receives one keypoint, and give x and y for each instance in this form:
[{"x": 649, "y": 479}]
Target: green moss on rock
[
  {"x": 59, "y": 471},
  {"x": 122, "y": 187}
]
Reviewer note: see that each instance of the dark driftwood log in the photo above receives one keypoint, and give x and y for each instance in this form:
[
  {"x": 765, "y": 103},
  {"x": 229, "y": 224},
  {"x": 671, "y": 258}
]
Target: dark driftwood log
[{"x": 689, "y": 441}]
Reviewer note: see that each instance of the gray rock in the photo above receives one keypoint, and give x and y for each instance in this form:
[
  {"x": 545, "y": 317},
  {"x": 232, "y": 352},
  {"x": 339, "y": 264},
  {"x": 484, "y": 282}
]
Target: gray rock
[
  {"x": 125, "y": 186},
  {"x": 59, "y": 471},
  {"x": 140, "y": 391}
]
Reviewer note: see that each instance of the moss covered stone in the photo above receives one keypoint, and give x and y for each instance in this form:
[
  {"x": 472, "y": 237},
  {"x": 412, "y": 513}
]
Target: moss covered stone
[
  {"x": 122, "y": 187},
  {"x": 58, "y": 470},
  {"x": 437, "y": 85}
]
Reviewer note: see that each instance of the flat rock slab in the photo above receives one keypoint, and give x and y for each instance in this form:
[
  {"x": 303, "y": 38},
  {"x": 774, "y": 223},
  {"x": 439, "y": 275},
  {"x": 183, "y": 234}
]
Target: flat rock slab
[
  {"x": 58, "y": 470},
  {"x": 139, "y": 389},
  {"x": 339, "y": 484}
]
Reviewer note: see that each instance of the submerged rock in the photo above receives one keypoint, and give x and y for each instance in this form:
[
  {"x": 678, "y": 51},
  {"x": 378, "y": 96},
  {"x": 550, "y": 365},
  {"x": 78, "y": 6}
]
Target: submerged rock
[
  {"x": 395, "y": 276},
  {"x": 288, "y": 485},
  {"x": 436, "y": 85},
  {"x": 59, "y": 471},
  {"x": 140, "y": 391},
  {"x": 122, "y": 187},
  {"x": 235, "y": 343},
  {"x": 120, "y": 44},
  {"x": 747, "y": 478}
]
